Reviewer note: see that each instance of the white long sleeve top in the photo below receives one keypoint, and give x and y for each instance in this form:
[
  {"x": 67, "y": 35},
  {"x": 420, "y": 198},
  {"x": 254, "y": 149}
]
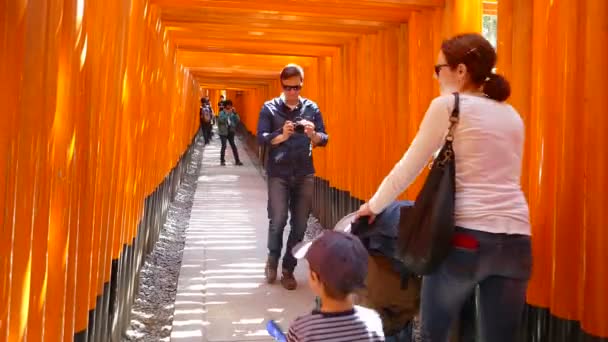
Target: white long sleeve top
[{"x": 488, "y": 145}]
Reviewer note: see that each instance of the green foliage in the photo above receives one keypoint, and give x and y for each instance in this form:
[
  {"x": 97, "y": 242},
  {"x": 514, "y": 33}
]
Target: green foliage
[{"x": 489, "y": 28}]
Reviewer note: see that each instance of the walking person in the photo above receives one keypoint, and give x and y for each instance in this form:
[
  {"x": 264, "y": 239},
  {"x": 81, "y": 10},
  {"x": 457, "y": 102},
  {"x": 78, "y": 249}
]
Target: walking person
[
  {"x": 213, "y": 119},
  {"x": 206, "y": 116},
  {"x": 291, "y": 126}
]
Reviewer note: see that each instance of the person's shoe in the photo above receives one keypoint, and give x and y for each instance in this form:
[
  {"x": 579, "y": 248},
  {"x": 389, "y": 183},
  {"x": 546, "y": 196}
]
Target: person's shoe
[
  {"x": 223, "y": 163},
  {"x": 238, "y": 163},
  {"x": 271, "y": 270},
  {"x": 288, "y": 281}
]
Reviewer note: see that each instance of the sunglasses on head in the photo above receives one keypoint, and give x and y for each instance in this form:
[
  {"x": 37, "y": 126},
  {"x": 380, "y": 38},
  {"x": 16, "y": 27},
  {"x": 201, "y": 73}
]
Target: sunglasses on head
[{"x": 288, "y": 87}]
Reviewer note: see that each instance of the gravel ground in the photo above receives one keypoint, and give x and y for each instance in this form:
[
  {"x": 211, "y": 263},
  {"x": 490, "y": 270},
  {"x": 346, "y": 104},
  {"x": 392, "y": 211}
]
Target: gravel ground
[
  {"x": 152, "y": 311},
  {"x": 314, "y": 228}
]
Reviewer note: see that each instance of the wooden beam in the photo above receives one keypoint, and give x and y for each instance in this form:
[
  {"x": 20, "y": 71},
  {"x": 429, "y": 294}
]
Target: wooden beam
[{"x": 250, "y": 47}]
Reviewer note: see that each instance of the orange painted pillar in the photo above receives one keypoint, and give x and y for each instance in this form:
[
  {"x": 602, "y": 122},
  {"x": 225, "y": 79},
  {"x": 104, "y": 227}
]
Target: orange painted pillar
[
  {"x": 424, "y": 43},
  {"x": 593, "y": 285},
  {"x": 27, "y": 151},
  {"x": 462, "y": 16},
  {"x": 12, "y": 13},
  {"x": 558, "y": 94}
]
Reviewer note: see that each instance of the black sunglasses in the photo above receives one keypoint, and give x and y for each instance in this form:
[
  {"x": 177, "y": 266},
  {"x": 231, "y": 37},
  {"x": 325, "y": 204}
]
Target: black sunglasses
[
  {"x": 438, "y": 68},
  {"x": 288, "y": 88}
]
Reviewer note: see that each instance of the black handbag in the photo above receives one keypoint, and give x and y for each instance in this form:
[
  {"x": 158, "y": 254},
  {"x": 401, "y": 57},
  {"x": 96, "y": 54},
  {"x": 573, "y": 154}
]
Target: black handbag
[{"x": 426, "y": 228}]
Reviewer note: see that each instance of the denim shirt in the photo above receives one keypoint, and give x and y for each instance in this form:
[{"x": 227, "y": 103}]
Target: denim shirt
[{"x": 293, "y": 157}]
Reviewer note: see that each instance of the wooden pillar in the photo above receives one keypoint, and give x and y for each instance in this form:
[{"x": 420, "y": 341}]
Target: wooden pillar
[{"x": 462, "y": 16}]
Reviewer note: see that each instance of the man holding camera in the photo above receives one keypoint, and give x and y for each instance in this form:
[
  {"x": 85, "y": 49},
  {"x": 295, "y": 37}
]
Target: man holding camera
[
  {"x": 227, "y": 123},
  {"x": 290, "y": 126}
]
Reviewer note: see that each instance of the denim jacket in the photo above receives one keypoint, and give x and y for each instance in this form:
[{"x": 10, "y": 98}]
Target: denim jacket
[{"x": 292, "y": 157}]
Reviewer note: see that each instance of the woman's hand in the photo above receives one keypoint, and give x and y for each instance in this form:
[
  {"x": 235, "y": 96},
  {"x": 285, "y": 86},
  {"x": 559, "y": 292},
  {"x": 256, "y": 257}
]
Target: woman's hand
[{"x": 365, "y": 210}]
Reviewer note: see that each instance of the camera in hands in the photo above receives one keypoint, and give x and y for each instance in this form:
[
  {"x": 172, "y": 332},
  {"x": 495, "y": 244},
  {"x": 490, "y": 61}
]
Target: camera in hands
[{"x": 298, "y": 126}]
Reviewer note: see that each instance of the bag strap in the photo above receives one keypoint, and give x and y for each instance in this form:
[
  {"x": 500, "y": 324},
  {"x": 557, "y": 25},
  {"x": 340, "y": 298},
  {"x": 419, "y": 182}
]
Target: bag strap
[
  {"x": 447, "y": 153},
  {"x": 454, "y": 118},
  {"x": 449, "y": 138}
]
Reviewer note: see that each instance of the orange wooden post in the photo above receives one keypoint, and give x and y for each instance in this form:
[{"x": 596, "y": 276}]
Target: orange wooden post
[
  {"x": 462, "y": 16},
  {"x": 594, "y": 302},
  {"x": 27, "y": 147},
  {"x": 556, "y": 94},
  {"x": 12, "y": 51}
]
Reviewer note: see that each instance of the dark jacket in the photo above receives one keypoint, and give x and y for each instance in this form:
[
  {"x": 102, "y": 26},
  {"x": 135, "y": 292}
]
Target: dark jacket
[
  {"x": 292, "y": 157},
  {"x": 380, "y": 237},
  {"x": 227, "y": 123}
]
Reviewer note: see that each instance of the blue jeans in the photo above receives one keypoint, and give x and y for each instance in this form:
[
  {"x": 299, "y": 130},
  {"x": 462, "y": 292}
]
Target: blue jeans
[
  {"x": 500, "y": 265},
  {"x": 295, "y": 194}
]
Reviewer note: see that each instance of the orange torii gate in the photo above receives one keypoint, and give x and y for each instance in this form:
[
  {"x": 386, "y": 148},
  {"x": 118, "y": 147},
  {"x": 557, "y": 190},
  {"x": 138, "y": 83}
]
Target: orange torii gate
[{"x": 101, "y": 104}]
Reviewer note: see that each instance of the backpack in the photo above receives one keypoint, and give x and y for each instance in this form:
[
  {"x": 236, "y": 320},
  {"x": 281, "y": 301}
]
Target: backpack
[
  {"x": 384, "y": 292},
  {"x": 205, "y": 114}
]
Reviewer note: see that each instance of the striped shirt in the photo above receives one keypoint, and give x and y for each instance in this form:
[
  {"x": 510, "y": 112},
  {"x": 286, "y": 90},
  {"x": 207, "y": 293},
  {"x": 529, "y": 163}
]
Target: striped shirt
[{"x": 359, "y": 324}]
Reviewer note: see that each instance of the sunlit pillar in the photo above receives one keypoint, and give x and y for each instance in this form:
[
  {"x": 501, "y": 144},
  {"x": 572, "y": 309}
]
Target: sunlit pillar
[{"x": 462, "y": 16}]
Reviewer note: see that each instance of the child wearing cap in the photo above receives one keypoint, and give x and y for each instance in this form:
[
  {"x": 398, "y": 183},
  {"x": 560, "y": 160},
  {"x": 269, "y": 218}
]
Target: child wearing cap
[{"x": 338, "y": 266}]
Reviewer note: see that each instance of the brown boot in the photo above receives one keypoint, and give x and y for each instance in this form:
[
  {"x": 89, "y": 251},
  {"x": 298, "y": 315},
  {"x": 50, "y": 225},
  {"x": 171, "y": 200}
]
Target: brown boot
[
  {"x": 288, "y": 281},
  {"x": 271, "y": 270}
]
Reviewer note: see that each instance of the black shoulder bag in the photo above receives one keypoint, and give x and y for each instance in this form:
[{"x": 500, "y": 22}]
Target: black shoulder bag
[{"x": 426, "y": 229}]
